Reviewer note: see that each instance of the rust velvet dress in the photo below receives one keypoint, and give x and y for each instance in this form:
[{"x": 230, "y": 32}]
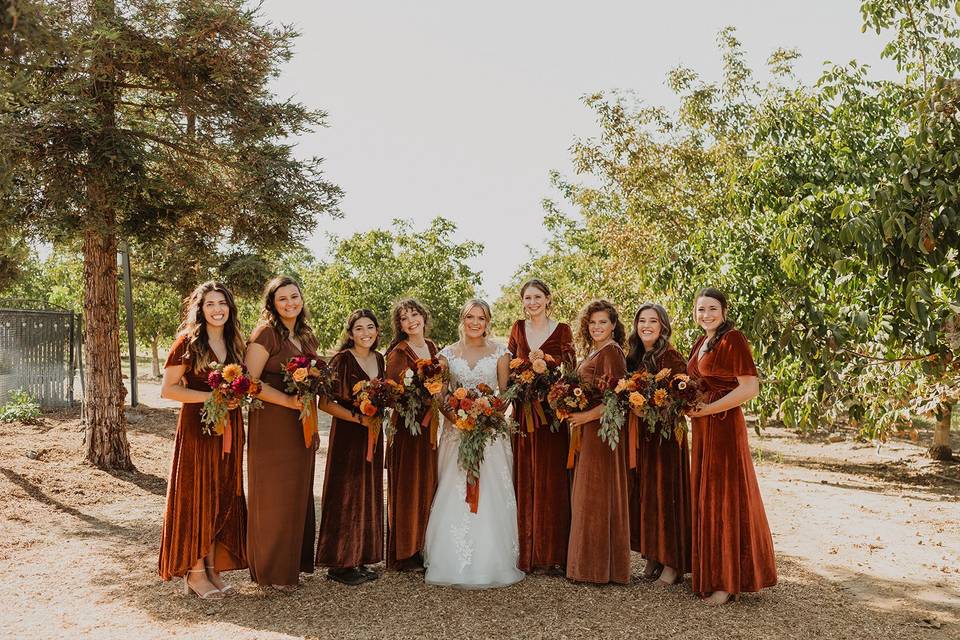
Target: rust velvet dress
[
  {"x": 660, "y": 490},
  {"x": 281, "y": 523},
  {"x": 540, "y": 476},
  {"x": 411, "y": 477},
  {"x": 351, "y": 518},
  {"x": 732, "y": 546},
  {"x": 599, "y": 548},
  {"x": 205, "y": 502}
]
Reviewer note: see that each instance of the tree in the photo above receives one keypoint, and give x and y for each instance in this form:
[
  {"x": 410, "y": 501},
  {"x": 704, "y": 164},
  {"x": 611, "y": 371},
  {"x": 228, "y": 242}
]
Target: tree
[
  {"x": 374, "y": 269},
  {"x": 147, "y": 120}
]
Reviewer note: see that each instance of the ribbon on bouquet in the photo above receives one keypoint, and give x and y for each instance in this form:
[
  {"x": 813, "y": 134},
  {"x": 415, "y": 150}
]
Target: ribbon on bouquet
[
  {"x": 308, "y": 418},
  {"x": 473, "y": 493},
  {"x": 373, "y": 434},
  {"x": 574, "y": 445},
  {"x": 633, "y": 437},
  {"x": 532, "y": 410},
  {"x": 432, "y": 419}
]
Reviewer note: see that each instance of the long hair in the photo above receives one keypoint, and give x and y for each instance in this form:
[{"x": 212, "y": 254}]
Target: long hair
[
  {"x": 727, "y": 325},
  {"x": 406, "y": 304},
  {"x": 638, "y": 355},
  {"x": 194, "y": 326},
  {"x": 467, "y": 307},
  {"x": 539, "y": 284},
  {"x": 271, "y": 317},
  {"x": 583, "y": 332},
  {"x": 347, "y": 341}
]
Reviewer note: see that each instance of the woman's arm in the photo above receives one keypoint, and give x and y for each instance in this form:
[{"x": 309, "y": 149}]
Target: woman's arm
[
  {"x": 340, "y": 412},
  {"x": 748, "y": 387},
  {"x": 255, "y": 360},
  {"x": 503, "y": 371},
  {"x": 583, "y": 417},
  {"x": 171, "y": 389}
]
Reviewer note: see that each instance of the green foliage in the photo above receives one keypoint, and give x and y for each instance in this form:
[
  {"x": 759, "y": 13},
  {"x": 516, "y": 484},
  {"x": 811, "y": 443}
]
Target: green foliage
[
  {"x": 375, "y": 268},
  {"x": 21, "y": 407}
]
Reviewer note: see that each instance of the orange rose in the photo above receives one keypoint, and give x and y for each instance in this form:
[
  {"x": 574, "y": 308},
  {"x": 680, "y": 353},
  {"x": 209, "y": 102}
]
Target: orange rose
[
  {"x": 460, "y": 393},
  {"x": 540, "y": 366},
  {"x": 434, "y": 387},
  {"x": 367, "y": 408},
  {"x": 300, "y": 375},
  {"x": 637, "y": 400}
]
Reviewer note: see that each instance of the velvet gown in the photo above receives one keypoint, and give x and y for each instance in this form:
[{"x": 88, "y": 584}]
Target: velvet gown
[
  {"x": 732, "y": 549},
  {"x": 205, "y": 502},
  {"x": 599, "y": 548},
  {"x": 281, "y": 523},
  {"x": 411, "y": 477},
  {"x": 660, "y": 490},
  {"x": 351, "y": 518},
  {"x": 540, "y": 475}
]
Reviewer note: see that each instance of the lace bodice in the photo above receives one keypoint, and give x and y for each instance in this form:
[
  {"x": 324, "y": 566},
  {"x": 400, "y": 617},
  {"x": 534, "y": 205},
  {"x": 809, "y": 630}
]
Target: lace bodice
[{"x": 484, "y": 370}]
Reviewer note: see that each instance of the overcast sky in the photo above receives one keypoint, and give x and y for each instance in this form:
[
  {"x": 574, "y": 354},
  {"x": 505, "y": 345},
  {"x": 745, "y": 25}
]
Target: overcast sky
[{"x": 444, "y": 108}]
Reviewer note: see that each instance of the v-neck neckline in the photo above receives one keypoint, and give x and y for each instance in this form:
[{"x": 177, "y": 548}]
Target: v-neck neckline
[
  {"x": 360, "y": 364},
  {"x": 526, "y": 338}
]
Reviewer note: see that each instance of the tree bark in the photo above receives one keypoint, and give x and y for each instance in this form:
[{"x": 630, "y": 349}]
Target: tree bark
[
  {"x": 155, "y": 353},
  {"x": 105, "y": 422},
  {"x": 941, "y": 449}
]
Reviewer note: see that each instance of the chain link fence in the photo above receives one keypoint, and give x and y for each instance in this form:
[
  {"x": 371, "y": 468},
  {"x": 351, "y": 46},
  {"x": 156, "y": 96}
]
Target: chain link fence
[{"x": 39, "y": 352}]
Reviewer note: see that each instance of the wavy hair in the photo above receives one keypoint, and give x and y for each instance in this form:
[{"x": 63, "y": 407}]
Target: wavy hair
[
  {"x": 347, "y": 341},
  {"x": 726, "y": 326},
  {"x": 194, "y": 326},
  {"x": 638, "y": 355},
  {"x": 271, "y": 317},
  {"x": 583, "y": 323},
  {"x": 406, "y": 304}
]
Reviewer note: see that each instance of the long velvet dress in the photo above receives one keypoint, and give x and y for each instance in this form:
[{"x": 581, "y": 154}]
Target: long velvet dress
[
  {"x": 599, "y": 548},
  {"x": 732, "y": 545},
  {"x": 351, "y": 518},
  {"x": 411, "y": 477},
  {"x": 281, "y": 524},
  {"x": 660, "y": 490},
  {"x": 205, "y": 502},
  {"x": 540, "y": 475}
]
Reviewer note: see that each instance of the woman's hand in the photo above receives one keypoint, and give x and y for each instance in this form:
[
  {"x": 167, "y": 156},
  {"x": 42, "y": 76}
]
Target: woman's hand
[
  {"x": 295, "y": 402},
  {"x": 700, "y": 411},
  {"x": 370, "y": 422},
  {"x": 578, "y": 419}
]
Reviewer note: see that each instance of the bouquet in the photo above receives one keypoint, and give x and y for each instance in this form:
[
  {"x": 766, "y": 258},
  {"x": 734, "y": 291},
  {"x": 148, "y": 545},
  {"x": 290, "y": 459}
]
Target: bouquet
[
  {"x": 421, "y": 390},
  {"x": 569, "y": 395},
  {"x": 376, "y": 397},
  {"x": 659, "y": 399},
  {"x": 231, "y": 384},
  {"x": 479, "y": 415},
  {"x": 309, "y": 377},
  {"x": 530, "y": 381}
]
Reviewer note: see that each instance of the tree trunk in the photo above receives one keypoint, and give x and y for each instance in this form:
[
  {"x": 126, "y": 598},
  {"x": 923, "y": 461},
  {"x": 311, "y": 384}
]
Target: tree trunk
[
  {"x": 941, "y": 449},
  {"x": 105, "y": 424},
  {"x": 154, "y": 350}
]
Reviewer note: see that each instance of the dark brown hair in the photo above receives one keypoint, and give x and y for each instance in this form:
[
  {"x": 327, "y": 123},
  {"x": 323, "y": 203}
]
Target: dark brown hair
[
  {"x": 270, "y": 316},
  {"x": 194, "y": 326},
  {"x": 583, "y": 333},
  {"x": 347, "y": 342},
  {"x": 639, "y": 356},
  {"x": 727, "y": 324},
  {"x": 406, "y": 304}
]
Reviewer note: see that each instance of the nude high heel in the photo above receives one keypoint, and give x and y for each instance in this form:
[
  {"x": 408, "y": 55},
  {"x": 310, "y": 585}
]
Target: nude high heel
[{"x": 213, "y": 594}]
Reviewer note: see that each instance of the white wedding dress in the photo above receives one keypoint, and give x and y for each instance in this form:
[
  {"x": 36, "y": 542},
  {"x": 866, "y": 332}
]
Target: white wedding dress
[{"x": 464, "y": 549}]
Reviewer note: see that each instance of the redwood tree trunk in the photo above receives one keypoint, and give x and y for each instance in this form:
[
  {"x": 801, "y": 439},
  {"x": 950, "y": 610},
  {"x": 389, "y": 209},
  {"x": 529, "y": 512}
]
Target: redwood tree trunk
[
  {"x": 941, "y": 449},
  {"x": 106, "y": 424},
  {"x": 154, "y": 350}
]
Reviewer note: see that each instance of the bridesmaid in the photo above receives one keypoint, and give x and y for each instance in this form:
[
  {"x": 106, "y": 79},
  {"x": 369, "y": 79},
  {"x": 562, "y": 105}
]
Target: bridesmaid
[
  {"x": 732, "y": 545},
  {"x": 540, "y": 475},
  {"x": 599, "y": 548},
  {"x": 411, "y": 460},
  {"x": 281, "y": 524},
  {"x": 351, "y": 520},
  {"x": 660, "y": 484},
  {"x": 205, "y": 520}
]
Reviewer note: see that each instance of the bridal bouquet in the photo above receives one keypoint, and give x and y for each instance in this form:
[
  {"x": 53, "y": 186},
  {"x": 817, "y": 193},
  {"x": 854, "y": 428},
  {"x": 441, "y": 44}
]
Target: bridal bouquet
[
  {"x": 570, "y": 395},
  {"x": 309, "y": 377},
  {"x": 422, "y": 385},
  {"x": 479, "y": 415},
  {"x": 376, "y": 397},
  {"x": 231, "y": 385},
  {"x": 530, "y": 380}
]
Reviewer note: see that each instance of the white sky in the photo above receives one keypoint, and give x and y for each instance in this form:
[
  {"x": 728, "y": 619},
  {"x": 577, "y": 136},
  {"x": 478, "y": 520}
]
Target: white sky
[{"x": 444, "y": 108}]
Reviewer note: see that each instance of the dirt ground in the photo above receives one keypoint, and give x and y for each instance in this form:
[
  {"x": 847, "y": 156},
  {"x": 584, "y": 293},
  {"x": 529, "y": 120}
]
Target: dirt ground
[{"x": 867, "y": 544}]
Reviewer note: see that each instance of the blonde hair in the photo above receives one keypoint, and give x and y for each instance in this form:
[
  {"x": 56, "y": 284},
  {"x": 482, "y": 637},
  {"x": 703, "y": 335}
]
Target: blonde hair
[{"x": 468, "y": 306}]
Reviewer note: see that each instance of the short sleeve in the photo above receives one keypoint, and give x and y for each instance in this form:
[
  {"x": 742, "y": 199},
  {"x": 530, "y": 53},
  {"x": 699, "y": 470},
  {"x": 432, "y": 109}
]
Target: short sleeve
[
  {"x": 612, "y": 365},
  {"x": 501, "y": 349},
  {"x": 396, "y": 364},
  {"x": 733, "y": 357},
  {"x": 674, "y": 361},
  {"x": 514, "y": 342},
  {"x": 340, "y": 367},
  {"x": 179, "y": 353},
  {"x": 568, "y": 352},
  {"x": 266, "y": 336}
]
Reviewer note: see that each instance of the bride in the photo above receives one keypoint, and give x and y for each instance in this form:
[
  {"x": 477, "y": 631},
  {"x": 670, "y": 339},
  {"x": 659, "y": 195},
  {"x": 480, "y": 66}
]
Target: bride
[{"x": 463, "y": 549}]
